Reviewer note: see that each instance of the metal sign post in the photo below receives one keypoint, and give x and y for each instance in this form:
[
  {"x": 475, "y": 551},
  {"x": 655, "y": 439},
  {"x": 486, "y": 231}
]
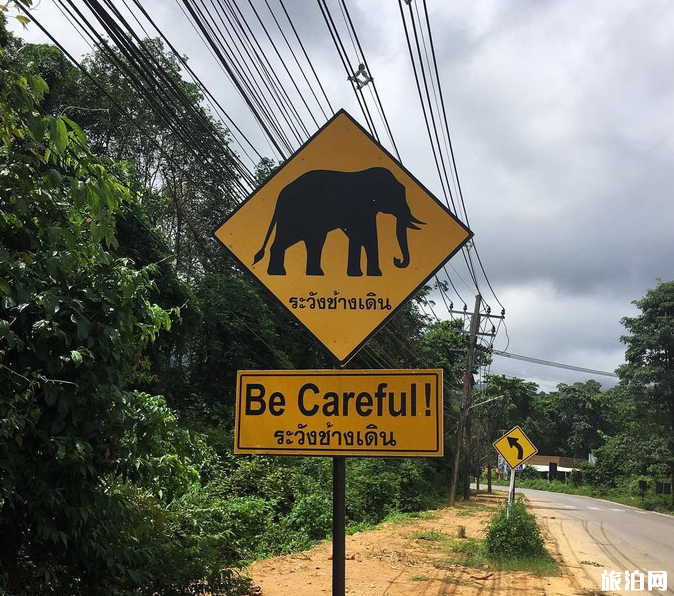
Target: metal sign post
[
  {"x": 338, "y": 525},
  {"x": 511, "y": 492}
]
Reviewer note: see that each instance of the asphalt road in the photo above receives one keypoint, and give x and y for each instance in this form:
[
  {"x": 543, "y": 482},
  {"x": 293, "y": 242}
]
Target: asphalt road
[{"x": 594, "y": 536}]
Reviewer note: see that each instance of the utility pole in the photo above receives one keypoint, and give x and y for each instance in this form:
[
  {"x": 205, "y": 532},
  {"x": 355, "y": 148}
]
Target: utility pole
[
  {"x": 468, "y": 450},
  {"x": 465, "y": 394}
]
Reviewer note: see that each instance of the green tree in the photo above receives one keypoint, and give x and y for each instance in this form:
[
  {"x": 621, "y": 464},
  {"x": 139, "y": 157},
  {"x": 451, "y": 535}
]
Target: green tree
[
  {"x": 515, "y": 406},
  {"x": 577, "y": 418},
  {"x": 648, "y": 372},
  {"x": 174, "y": 147},
  {"x": 90, "y": 466}
]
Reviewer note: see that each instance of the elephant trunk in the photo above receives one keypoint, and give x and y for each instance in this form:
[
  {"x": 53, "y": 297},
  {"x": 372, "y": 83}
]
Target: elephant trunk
[
  {"x": 401, "y": 233},
  {"x": 405, "y": 223}
]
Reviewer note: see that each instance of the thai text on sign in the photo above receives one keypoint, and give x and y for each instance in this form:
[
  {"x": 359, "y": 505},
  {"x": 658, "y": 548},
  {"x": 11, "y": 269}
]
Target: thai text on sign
[{"x": 340, "y": 412}]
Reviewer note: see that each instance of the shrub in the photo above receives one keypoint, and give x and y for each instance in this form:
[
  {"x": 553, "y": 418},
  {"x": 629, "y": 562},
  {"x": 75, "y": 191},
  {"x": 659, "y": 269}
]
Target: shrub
[
  {"x": 514, "y": 536},
  {"x": 529, "y": 473},
  {"x": 421, "y": 485},
  {"x": 312, "y": 515}
]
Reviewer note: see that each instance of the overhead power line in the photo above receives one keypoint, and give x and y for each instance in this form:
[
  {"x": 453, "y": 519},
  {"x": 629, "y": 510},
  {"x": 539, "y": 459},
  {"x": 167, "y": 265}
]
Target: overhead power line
[
  {"x": 276, "y": 81},
  {"x": 554, "y": 364}
]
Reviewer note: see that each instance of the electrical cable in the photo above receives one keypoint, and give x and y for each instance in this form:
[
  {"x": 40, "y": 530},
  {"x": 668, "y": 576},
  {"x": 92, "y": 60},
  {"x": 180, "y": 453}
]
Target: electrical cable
[
  {"x": 235, "y": 81},
  {"x": 334, "y": 34},
  {"x": 320, "y": 85},
  {"x": 215, "y": 104},
  {"x": 373, "y": 88},
  {"x": 554, "y": 364},
  {"x": 142, "y": 61}
]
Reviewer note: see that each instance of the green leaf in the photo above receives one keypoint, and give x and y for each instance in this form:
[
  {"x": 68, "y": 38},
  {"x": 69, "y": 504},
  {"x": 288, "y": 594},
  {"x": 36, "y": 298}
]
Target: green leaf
[
  {"x": 51, "y": 394},
  {"x": 4, "y": 287},
  {"x": 35, "y": 125},
  {"x": 54, "y": 178},
  {"x": 57, "y": 426},
  {"x": 79, "y": 193},
  {"x": 83, "y": 325},
  {"x": 59, "y": 135},
  {"x": 24, "y": 20},
  {"x": 76, "y": 357},
  {"x": 54, "y": 234},
  {"x": 79, "y": 135}
]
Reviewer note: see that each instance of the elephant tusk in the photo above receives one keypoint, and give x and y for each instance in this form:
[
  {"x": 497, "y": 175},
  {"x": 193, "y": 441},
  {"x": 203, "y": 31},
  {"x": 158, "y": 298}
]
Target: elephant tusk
[
  {"x": 416, "y": 221},
  {"x": 411, "y": 226}
]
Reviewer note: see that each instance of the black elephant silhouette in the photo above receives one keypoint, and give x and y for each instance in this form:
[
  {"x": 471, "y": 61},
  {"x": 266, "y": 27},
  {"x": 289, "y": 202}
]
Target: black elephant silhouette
[{"x": 320, "y": 201}]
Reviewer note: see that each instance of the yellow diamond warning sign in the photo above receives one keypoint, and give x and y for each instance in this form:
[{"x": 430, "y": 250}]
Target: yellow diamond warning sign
[
  {"x": 515, "y": 447},
  {"x": 342, "y": 235}
]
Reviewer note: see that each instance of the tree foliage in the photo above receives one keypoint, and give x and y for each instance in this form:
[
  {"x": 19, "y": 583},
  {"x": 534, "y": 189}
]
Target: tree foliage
[
  {"x": 648, "y": 373},
  {"x": 89, "y": 464}
]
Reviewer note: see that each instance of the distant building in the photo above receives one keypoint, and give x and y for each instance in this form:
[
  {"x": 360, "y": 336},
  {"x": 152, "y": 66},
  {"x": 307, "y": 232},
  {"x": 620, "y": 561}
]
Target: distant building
[{"x": 564, "y": 465}]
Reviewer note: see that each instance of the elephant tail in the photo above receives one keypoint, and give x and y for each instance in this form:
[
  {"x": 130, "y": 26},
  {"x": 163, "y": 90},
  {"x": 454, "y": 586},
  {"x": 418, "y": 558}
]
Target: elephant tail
[{"x": 260, "y": 253}]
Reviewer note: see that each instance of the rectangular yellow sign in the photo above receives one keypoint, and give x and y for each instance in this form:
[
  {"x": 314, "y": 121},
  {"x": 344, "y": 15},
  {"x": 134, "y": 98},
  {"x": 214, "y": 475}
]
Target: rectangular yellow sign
[{"x": 373, "y": 413}]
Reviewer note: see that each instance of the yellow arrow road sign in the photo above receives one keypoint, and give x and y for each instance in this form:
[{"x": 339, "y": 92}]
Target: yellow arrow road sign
[
  {"x": 515, "y": 447},
  {"x": 342, "y": 235}
]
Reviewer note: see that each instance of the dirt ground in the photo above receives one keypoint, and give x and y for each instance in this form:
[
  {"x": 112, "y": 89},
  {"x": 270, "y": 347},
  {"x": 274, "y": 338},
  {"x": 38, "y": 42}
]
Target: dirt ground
[{"x": 412, "y": 557}]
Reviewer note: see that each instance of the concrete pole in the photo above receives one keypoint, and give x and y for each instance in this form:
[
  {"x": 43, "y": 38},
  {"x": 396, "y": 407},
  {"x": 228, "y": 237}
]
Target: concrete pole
[{"x": 465, "y": 395}]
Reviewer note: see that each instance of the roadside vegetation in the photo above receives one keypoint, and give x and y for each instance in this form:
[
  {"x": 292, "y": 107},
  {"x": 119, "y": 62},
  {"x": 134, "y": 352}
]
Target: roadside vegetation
[
  {"x": 122, "y": 326},
  {"x": 512, "y": 542},
  {"x": 628, "y": 492}
]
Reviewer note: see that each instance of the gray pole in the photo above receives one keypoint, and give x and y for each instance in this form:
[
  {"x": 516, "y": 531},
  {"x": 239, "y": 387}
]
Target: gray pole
[
  {"x": 465, "y": 395},
  {"x": 511, "y": 491},
  {"x": 338, "y": 525}
]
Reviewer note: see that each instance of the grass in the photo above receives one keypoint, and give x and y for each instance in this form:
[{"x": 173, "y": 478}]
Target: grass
[
  {"x": 470, "y": 510},
  {"x": 459, "y": 550},
  {"x": 429, "y": 535},
  {"x": 395, "y": 518},
  {"x": 421, "y": 578},
  {"x": 540, "y": 566},
  {"x": 471, "y": 552},
  {"x": 402, "y": 519}
]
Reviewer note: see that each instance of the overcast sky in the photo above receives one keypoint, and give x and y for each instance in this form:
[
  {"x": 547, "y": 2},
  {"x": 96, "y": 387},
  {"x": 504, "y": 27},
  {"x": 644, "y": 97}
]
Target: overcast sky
[{"x": 562, "y": 123}]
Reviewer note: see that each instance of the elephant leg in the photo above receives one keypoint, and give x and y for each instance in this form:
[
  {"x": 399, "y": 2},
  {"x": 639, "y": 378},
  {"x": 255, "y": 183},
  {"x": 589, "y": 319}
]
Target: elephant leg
[
  {"x": 372, "y": 257},
  {"x": 367, "y": 238},
  {"x": 277, "y": 255},
  {"x": 314, "y": 252},
  {"x": 353, "y": 268}
]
